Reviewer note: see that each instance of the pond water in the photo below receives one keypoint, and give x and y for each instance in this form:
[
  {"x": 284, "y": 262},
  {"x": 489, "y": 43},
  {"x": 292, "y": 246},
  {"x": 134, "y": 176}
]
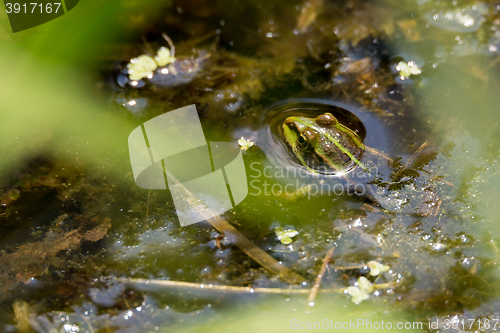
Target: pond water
[{"x": 415, "y": 244}]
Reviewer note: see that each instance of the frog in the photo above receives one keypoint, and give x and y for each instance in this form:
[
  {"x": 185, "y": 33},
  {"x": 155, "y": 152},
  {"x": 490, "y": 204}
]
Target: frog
[
  {"x": 325, "y": 147},
  {"x": 323, "y": 143}
]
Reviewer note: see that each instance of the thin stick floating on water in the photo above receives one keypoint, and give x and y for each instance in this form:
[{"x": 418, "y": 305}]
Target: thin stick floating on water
[
  {"x": 167, "y": 284},
  {"x": 221, "y": 288}
]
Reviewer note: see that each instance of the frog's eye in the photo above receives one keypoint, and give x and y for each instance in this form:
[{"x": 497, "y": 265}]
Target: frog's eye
[
  {"x": 303, "y": 142},
  {"x": 326, "y": 120}
]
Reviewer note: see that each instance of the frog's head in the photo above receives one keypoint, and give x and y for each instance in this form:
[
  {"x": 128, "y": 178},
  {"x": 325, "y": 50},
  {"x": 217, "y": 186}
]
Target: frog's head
[{"x": 322, "y": 142}]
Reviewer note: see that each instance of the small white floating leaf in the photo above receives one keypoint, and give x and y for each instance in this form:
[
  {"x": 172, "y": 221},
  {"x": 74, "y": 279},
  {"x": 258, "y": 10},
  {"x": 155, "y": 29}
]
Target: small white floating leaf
[
  {"x": 285, "y": 236},
  {"x": 407, "y": 69},
  {"x": 360, "y": 292},
  {"x": 163, "y": 57},
  {"x": 141, "y": 67},
  {"x": 245, "y": 144},
  {"x": 377, "y": 268}
]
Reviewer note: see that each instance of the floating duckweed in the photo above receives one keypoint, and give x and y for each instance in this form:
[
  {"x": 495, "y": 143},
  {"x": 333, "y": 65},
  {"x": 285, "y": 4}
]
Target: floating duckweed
[
  {"x": 143, "y": 66},
  {"x": 377, "y": 268},
  {"x": 285, "y": 236},
  {"x": 360, "y": 292},
  {"x": 245, "y": 144},
  {"x": 164, "y": 57},
  {"x": 406, "y": 70}
]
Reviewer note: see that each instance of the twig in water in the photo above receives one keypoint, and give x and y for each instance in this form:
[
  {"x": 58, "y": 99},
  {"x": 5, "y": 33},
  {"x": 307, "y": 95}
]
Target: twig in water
[
  {"x": 345, "y": 268},
  {"x": 412, "y": 158},
  {"x": 379, "y": 153},
  {"x": 221, "y": 288},
  {"x": 444, "y": 181},
  {"x": 170, "y": 43},
  {"x": 317, "y": 283},
  {"x": 217, "y": 287}
]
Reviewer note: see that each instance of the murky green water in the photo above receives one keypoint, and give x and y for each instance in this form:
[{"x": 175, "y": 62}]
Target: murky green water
[{"x": 75, "y": 226}]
